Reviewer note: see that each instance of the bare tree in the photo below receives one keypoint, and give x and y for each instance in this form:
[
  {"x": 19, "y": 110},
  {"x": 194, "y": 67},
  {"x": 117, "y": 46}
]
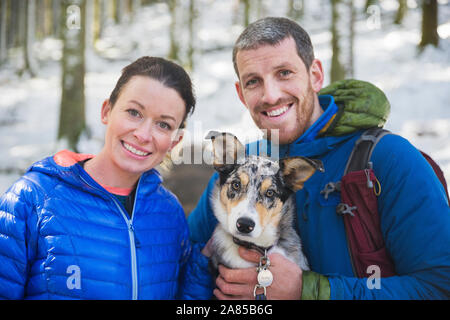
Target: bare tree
[
  {"x": 3, "y": 34},
  {"x": 29, "y": 31},
  {"x": 72, "y": 121},
  {"x": 351, "y": 40},
  {"x": 174, "y": 48},
  {"x": 296, "y": 9},
  {"x": 369, "y": 3},
  {"x": 429, "y": 23},
  {"x": 343, "y": 34},
  {"x": 401, "y": 11},
  {"x": 57, "y": 17},
  {"x": 337, "y": 71},
  {"x": 191, "y": 26},
  {"x": 247, "y": 8}
]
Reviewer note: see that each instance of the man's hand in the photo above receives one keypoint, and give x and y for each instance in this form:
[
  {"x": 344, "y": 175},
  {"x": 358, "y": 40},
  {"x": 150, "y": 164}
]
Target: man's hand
[{"x": 238, "y": 284}]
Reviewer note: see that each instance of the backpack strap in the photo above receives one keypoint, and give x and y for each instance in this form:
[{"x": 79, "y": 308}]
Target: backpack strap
[
  {"x": 362, "y": 151},
  {"x": 359, "y": 209},
  {"x": 364, "y": 146}
]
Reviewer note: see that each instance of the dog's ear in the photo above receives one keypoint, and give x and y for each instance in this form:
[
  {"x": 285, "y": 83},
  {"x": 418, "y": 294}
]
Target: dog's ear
[
  {"x": 227, "y": 150},
  {"x": 296, "y": 170}
]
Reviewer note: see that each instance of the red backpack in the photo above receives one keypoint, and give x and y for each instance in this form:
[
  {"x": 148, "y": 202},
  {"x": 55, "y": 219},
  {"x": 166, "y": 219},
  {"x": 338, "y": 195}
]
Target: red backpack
[{"x": 359, "y": 188}]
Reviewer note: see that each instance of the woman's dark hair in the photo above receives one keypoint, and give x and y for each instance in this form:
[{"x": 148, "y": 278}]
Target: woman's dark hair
[{"x": 168, "y": 73}]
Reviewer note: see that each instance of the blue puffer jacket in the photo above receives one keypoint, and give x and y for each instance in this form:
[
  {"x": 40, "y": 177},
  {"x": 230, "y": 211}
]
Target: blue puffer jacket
[
  {"x": 62, "y": 236},
  {"x": 414, "y": 214}
]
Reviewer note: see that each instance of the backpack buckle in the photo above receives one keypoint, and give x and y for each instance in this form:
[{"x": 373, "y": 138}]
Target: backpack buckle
[
  {"x": 343, "y": 209},
  {"x": 329, "y": 188}
]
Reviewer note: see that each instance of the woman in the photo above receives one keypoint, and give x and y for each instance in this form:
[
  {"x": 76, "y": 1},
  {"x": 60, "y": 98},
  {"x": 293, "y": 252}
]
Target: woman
[{"x": 79, "y": 226}]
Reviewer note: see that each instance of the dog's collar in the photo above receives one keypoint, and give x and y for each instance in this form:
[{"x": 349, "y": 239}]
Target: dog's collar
[{"x": 249, "y": 245}]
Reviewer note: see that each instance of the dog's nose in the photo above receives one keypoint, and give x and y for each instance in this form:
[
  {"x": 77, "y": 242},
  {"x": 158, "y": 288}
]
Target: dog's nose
[{"x": 245, "y": 225}]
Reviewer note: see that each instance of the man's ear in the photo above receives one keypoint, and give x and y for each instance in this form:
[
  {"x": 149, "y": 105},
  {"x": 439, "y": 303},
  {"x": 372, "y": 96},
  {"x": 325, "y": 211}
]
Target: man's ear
[
  {"x": 316, "y": 75},
  {"x": 106, "y": 108},
  {"x": 296, "y": 170},
  {"x": 237, "y": 84}
]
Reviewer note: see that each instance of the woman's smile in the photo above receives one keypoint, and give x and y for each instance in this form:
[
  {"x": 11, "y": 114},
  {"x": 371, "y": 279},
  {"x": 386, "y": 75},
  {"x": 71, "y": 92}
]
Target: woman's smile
[{"x": 135, "y": 151}]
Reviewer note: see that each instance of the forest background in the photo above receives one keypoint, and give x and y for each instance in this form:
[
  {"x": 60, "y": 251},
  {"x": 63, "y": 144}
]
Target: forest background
[{"x": 59, "y": 59}]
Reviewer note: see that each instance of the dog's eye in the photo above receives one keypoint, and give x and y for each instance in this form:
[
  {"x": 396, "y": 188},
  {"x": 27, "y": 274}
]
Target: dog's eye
[
  {"x": 270, "y": 193},
  {"x": 236, "y": 185}
]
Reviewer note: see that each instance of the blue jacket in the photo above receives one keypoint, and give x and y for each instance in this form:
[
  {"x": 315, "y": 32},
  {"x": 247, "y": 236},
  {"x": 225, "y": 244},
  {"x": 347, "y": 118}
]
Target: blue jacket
[
  {"x": 415, "y": 219},
  {"x": 62, "y": 236}
]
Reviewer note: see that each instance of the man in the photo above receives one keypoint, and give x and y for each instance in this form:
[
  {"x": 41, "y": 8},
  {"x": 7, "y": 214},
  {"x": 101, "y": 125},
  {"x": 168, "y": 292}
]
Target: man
[{"x": 279, "y": 80}]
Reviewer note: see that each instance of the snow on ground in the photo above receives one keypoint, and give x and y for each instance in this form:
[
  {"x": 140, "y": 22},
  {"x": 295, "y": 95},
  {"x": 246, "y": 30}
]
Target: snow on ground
[{"x": 416, "y": 85}]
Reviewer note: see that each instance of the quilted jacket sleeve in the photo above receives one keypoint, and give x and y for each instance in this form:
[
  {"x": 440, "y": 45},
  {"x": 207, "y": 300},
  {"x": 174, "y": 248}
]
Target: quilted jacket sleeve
[
  {"x": 195, "y": 280},
  {"x": 202, "y": 221},
  {"x": 16, "y": 240}
]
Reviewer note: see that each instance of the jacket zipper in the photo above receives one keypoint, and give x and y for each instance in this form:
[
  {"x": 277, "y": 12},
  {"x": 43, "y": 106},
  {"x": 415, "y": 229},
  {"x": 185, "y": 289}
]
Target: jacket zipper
[{"x": 131, "y": 236}]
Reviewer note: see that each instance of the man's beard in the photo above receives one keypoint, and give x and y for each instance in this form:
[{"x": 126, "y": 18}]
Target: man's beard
[{"x": 303, "y": 119}]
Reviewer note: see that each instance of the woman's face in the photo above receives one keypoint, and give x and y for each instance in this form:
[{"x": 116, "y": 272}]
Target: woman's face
[{"x": 142, "y": 126}]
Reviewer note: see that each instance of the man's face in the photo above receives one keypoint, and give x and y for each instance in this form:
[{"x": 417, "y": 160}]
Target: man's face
[{"x": 278, "y": 90}]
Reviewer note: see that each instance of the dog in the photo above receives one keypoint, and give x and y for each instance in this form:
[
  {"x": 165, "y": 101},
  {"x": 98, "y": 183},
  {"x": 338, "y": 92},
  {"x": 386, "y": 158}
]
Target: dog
[{"x": 254, "y": 203}]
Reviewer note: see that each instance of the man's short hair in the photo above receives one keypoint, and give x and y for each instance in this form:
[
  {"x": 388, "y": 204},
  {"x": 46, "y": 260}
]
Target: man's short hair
[{"x": 271, "y": 31}]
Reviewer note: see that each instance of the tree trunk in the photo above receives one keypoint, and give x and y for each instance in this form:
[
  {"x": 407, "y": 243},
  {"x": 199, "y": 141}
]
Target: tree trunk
[
  {"x": 191, "y": 44},
  {"x": 174, "y": 48},
  {"x": 20, "y": 21},
  {"x": 72, "y": 116},
  {"x": 48, "y": 23},
  {"x": 351, "y": 40},
  {"x": 3, "y": 24},
  {"x": 429, "y": 23},
  {"x": 58, "y": 18},
  {"x": 39, "y": 16},
  {"x": 401, "y": 11},
  {"x": 135, "y": 6},
  {"x": 246, "y": 12},
  {"x": 89, "y": 24},
  {"x": 296, "y": 9},
  {"x": 29, "y": 62},
  {"x": 337, "y": 71},
  {"x": 368, "y": 4},
  {"x": 100, "y": 18},
  {"x": 12, "y": 23},
  {"x": 118, "y": 11},
  {"x": 261, "y": 10}
]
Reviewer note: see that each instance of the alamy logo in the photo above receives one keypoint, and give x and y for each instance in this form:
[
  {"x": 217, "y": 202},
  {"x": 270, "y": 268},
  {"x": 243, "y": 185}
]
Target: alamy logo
[
  {"x": 374, "y": 281},
  {"x": 373, "y": 22},
  {"x": 74, "y": 280},
  {"x": 73, "y": 17}
]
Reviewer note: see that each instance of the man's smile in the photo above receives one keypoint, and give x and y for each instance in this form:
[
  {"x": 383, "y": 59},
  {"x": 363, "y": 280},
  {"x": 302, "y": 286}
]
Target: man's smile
[{"x": 277, "y": 111}]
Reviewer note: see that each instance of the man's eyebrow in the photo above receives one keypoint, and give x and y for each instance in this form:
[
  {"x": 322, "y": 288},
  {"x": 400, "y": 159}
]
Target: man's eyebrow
[
  {"x": 245, "y": 76},
  {"x": 283, "y": 65}
]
